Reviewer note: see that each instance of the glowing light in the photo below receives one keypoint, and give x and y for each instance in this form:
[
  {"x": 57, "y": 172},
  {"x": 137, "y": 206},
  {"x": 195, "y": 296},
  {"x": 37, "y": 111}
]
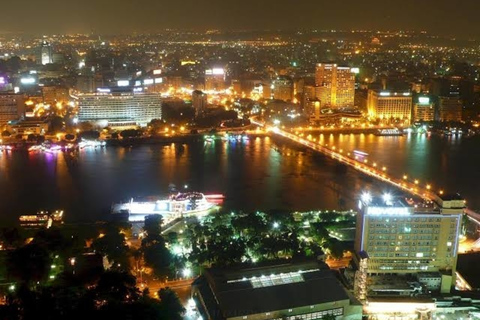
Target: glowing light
[{"x": 366, "y": 197}]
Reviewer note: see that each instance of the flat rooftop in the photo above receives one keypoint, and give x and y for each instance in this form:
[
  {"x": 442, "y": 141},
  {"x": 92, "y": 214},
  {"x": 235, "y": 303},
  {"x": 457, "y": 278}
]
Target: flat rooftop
[{"x": 260, "y": 290}]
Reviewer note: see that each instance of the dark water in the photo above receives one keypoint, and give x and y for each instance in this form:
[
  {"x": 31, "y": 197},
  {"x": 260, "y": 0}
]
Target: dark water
[{"x": 262, "y": 174}]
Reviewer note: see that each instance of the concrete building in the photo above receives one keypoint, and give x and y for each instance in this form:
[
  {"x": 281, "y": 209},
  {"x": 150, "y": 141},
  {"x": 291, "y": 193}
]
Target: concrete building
[
  {"x": 387, "y": 105},
  {"x": 335, "y": 85},
  {"x": 28, "y": 126},
  {"x": 287, "y": 291},
  {"x": 54, "y": 94},
  {"x": 450, "y": 109},
  {"x": 395, "y": 237},
  {"x": 423, "y": 109},
  {"x": 199, "y": 102},
  {"x": 46, "y": 55},
  {"x": 12, "y": 107},
  {"x": 215, "y": 79},
  {"x": 121, "y": 108},
  {"x": 282, "y": 88}
]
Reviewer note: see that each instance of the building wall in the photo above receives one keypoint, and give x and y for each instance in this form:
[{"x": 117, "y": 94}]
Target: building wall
[
  {"x": 141, "y": 108},
  {"x": 336, "y": 85},
  {"x": 12, "y": 107},
  {"x": 450, "y": 109},
  {"x": 409, "y": 243},
  {"x": 424, "y": 112},
  {"x": 199, "y": 102},
  {"x": 389, "y": 105}
]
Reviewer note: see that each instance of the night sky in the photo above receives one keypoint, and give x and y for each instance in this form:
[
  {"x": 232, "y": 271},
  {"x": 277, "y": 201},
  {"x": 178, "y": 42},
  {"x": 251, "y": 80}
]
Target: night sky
[{"x": 446, "y": 17}]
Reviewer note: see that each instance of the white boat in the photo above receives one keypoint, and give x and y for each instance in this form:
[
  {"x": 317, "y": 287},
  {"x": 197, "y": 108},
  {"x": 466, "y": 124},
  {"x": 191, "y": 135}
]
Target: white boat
[{"x": 176, "y": 206}]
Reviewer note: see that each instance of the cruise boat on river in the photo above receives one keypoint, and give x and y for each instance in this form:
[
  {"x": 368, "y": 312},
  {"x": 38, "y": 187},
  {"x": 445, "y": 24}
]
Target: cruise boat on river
[{"x": 181, "y": 204}]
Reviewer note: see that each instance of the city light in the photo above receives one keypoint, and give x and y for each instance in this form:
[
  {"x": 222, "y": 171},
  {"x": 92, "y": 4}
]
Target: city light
[{"x": 366, "y": 197}]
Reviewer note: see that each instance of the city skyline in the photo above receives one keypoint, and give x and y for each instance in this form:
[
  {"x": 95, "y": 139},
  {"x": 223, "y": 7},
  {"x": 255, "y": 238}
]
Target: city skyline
[{"x": 54, "y": 16}]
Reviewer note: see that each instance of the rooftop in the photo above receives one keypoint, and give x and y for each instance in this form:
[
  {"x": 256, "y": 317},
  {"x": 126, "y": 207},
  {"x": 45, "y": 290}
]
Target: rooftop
[{"x": 251, "y": 291}]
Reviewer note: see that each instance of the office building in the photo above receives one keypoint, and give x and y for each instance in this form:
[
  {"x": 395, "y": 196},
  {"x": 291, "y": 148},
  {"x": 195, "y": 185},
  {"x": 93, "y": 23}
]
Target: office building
[
  {"x": 401, "y": 238},
  {"x": 215, "y": 79},
  {"x": 120, "y": 107},
  {"x": 288, "y": 291},
  {"x": 26, "y": 126},
  {"x": 423, "y": 109},
  {"x": 55, "y": 94},
  {"x": 12, "y": 107},
  {"x": 388, "y": 105},
  {"x": 199, "y": 102},
  {"x": 450, "y": 109},
  {"x": 335, "y": 85},
  {"x": 282, "y": 88},
  {"x": 46, "y": 55}
]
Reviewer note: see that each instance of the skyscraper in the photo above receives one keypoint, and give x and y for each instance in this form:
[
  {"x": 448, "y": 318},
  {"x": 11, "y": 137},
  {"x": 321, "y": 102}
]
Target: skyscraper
[
  {"x": 12, "y": 107},
  {"x": 335, "y": 85},
  {"x": 282, "y": 88},
  {"x": 424, "y": 109},
  {"x": 46, "y": 55},
  {"x": 199, "y": 102}
]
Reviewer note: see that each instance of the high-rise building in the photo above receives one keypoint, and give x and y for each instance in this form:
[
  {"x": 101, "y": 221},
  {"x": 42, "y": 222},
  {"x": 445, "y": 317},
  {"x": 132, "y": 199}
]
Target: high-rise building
[
  {"x": 336, "y": 85},
  {"x": 12, "y": 107},
  {"x": 282, "y": 88},
  {"x": 389, "y": 105},
  {"x": 394, "y": 236},
  {"x": 120, "y": 108},
  {"x": 423, "y": 109},
  {"x": 199, "y": 102},
  {"x": 450, "y": 109},
  {"x": 215, "y": 79},
  {"x": 46, "y": 55}
]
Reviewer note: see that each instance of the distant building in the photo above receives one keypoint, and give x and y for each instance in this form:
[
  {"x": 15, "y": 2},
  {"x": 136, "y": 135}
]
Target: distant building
[
  {"x": 54, "y": 94},
  {"x": 119, "y": 107},
  {"x": 287, "y": 291},
  {"x": 423, "y": 109},
  {"x": 215, "y": 79},
  {"x": 450, "y": 109},
  {"x": 12, "y": 107},
  {"x": 387, "y": 105},
  {"x": 335, "y": 85},
  {"x": 282, "y": 88},
  {"x": 46, "y": 55},
  {"x": 26, "y": 126},
  {"x": 199, "y": 102}
]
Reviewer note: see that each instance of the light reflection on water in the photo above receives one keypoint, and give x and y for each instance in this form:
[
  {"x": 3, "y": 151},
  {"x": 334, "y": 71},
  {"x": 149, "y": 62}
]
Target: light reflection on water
[{"x": 262, "y": 173}]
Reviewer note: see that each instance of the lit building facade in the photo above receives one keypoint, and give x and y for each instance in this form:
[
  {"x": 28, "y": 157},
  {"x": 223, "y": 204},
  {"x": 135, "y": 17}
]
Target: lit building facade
[
  {"x": 109, "y": 109},
  {"x": 199, "y": 102},
  {"x": 12, "y": 107},
  {"x": 396, "y": 238},
  {"x": 282, "y": 88},
  {"x": 450, "y": 109},
  {"x": 387, "y": 105},
  {"x": 335, "y": 85},
  {"x": 215, "y": 79},
  {"x": 46, "y": 55},
  {"x": 423, "y": 109}
]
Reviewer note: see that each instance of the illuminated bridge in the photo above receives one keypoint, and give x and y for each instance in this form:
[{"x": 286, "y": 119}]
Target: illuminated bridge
[{"x": 360, "y": 164}]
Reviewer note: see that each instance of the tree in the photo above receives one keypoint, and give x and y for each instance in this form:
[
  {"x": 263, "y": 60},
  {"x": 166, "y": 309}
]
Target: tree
[
  {"x": 170, "y": 304},
  {"x": 153, "y": 224},
  {"x": 6, "y": 133},
  {"x": 113, "y": 245},
  {"x": 29, "y": 264}
]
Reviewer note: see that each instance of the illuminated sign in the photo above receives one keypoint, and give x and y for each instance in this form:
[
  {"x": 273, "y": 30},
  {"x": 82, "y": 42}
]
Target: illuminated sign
[
  {"x": 103, "y": 90},
  {"x": 215, "y": 71},
  {"x": 123, "y": 83},
  {"x": 424, "y": 100},
  {"x": 406, "y": 93},
  {"x": 28, "y": 80},
  {"x": 157, "y": 71},
  {"x": 355, "y": 70},
  {"x": 384, "y": 94},
  {"x": 148, "y": 81},
  {"x": 394, "y": 211},
  {"x": 2, "y": 80},
  {"x": 140, "y": 89},
  {"x": 158, "y": 80}
]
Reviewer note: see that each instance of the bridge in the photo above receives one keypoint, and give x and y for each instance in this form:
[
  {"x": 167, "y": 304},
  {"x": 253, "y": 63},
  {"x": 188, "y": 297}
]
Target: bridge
[{"x": 360, "y": 164}]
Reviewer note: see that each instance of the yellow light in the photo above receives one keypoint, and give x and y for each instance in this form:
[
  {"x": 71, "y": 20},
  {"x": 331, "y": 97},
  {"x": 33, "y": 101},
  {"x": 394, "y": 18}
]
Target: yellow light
[
  {"x": 405, "y": 177},
  {"x": 416, "y": 181},
  {"x": 428, "y": 186}
]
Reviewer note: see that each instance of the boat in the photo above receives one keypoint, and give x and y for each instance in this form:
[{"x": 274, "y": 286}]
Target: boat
[
  {"x": 177, "y": 205},
  {"x": 41, "y": 219},
  {"x": 389, "y": 132}
]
